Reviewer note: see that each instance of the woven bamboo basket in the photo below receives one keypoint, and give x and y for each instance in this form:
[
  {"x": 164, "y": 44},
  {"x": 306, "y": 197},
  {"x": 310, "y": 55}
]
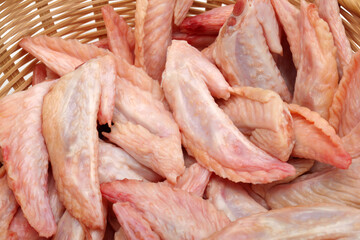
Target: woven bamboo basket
[{"x": 82, "y": 20}]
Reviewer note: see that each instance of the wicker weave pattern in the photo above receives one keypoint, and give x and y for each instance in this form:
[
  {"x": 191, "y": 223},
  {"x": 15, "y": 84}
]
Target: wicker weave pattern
[{"x": 78, "y": 19}]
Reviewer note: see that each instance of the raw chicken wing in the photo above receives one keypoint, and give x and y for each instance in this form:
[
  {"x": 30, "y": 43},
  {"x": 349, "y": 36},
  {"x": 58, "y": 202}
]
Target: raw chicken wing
[
  {"x": 207, "y": 132},
  {"x": 25, "y": 156},
  {"x": 153, "y": 19},
  {"x": 117, "y": 31},
  {"x": 172, "y": 213},
  {"x": 63, "y": 56},
  {"x": 242, "y": 54},
  {"x": 317, "y": 77},
  {"x": 69, "y": 127},
  {"x": 316, "y": 139},
  {"x": 308, "y": 222}
]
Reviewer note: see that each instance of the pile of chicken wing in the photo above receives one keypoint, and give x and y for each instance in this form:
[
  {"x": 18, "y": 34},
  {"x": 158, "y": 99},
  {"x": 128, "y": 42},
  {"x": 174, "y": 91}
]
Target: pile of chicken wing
[{"x": 239, "y": 123}]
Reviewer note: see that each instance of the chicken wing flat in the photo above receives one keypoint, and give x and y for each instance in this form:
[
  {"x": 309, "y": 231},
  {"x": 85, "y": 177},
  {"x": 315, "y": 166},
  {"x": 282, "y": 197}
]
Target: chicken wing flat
[
  {"x": 181, "y": 9},
  {"x": 63, "y": 56},
  {"x": 242, "y": 54},
  {"x": 328, "y": 186},
  {"x": 289, "y": 17},
  {"x": 232, "y": 199},
  {"x": 317, "y": 77},
  {"x": 153, "y": 19},
  {"x": 8, "y": 205},
  {"x": 147, "y": 131},
  {"x": 172, "y": 213},
  {"x": 69, "y": 128},
  {"x": 344, "y": 112},
  {"x": 116, "y": 164},
  {"x": 25, "y": 155},
  {"x": 308, "y": 222},
  {"x": 265, "y": 117},
  {"x": 329, "y": 10},
  {"x": 117, "y": 31},
  {"x": 132, "y": 222},
  {"x": 316, "y": 139},
  {"x": 208, "y": 134}
]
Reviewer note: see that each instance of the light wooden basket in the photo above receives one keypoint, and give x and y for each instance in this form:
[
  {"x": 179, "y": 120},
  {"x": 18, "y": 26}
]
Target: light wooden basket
[{"x": 82, "y": 20}]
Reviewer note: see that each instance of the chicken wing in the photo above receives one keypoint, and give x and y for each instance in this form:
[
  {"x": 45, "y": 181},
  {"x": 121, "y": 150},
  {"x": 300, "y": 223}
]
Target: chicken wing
[
  {"x": 153, "y": 19},
  {"x": 69, "y": 127},
  {"x": 8, "y": 205},
  {"x": 308, "y": 222},
  {"x": 181, "y": 9},
  {"x": 232, "y": 199},
  {"x": 63, "y": 56},
  {"x": 25, "y": 155},
  {"x": 172, "y": 213},
  {"x": 207, "y": 132},
  {"x": 208, "y": 23},
  {"x": 329, "y": 11},
  {"x": 289, "y": 17},
  {"x": 317, "y": 77},
  {"x": 344, "y": 112},
  {"x": 242, "y": 54},
  {"x": 147, "y": 131},
  {"x": 301, "y": 166},
  {"x": 135, "y": 227},
  {"x": 265, "y": 117},
  {"x": 328, "y": 186},
  {"x": 316, "y": 139},
  {"x": 116, "y": 164},
  {"x": 117, "y": 31}
]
